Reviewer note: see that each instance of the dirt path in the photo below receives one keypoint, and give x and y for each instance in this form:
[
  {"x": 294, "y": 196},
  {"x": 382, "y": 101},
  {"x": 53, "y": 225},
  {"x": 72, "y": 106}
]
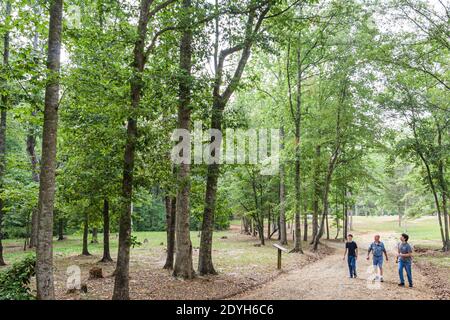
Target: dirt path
[{"x": 328, "y": 279}]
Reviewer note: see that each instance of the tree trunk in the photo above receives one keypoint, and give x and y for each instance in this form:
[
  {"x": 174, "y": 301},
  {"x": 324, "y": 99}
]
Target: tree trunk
[
  {"x": 183, "y": 261},
  {"x": 444, "y": 192},
  {"x": 85, "y": 235},
  {"x": 106, "y": 253},
  {"x": 338, "y": 228},
  {"x": 205, "y": 265},
  {"x": 3, "y": 114},
  {"x": 31, "y": 145},
  {"x": 345, "y": 215},
  {"x": 171, "y": 211},
  {"x": 331, "y": 164},
  {"x": 433, "y": 189},
  {"x": 44, "y": 252},
  {"x": 305, "y": 224},
  {"x": 315, "y": 218},
  {"x": 283, "y": 233},
  {"x": 298, "y": 119},
  {"x": 31, "y": 150},
  {"x": 94, "y": 235},
  {"x": 261, "y": 227},
  {"x": 330, "y": 170},
  {"x": 60, "y": 229},
  {"x": 328, "y": 227},
  {"x": 121, "y": 283},
  {"x": 350, "y": 222}
]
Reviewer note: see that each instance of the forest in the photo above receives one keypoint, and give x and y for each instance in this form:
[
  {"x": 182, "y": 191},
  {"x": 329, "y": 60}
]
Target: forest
[{"x": 183, "y": 124}]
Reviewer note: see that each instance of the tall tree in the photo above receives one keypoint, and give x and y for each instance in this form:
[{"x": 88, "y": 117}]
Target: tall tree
[
  {"x": 44, "y": 252},
  {"x": 140, "y": 57},
  {"x": 3, "y": 114},
  {"x": 106, "y": 254},
  {"x": 255, "y": 17},
  {"x": 183, "y": 262}
]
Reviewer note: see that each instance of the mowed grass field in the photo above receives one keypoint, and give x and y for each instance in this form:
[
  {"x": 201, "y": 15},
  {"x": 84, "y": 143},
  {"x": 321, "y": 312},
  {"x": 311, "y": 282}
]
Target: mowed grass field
[{"x": 422, "y": 231}]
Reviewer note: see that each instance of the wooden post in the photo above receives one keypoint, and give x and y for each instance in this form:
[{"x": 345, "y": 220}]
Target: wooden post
[
  {"x": 279, "y": 259},
  {"x": 279, "y": 249}
]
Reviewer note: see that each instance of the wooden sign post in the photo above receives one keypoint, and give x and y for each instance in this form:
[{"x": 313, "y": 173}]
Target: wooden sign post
[{"x": 280, "y": 249}]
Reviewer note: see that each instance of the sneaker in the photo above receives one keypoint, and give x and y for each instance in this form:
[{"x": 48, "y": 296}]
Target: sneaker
[
  {"x": 401, "y": 284},
  {"x": 381, "y": 280},
  {"x": 350, "y": 277},
  {"x": 410, "y": 285},
  {"x": 354, "y": 275}
]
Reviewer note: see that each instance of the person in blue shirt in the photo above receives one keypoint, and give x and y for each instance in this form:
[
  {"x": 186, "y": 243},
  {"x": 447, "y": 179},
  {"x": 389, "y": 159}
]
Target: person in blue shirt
[
  {"x": 404, "y": 258},
  {"x": 377, "y": 249},
  {"x": 351, "y": 248}
]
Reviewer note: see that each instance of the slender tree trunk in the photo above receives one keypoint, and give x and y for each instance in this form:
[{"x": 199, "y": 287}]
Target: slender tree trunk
[
  {"x": 444, "y": 191},
  {"x": 3, "y": 114},
  {"x": 171, "y": 211},
  {"x": 432, "y": 186},
  {"x": 31, "y": 144},
  {"x": 94, "y": 235},
  {"x": 350, "y": 222},
  {"x": 183, "y": 261},
  {"x": 106, "y": 252},
  {"x": 338, "y": 228},
  {"x": 44, "y": 252},
  {"x": 331, "y": 164},
  {"x": 298, "y": 119},
  {"x": 261, "y": 227},
  {"x": 325, "y": 208},
  {"x": 121, "y": 283},
  {"x": 60, "y": 229},
  {"x": 315, "y": 218},
  {"x": 305, "y": 224},
  {"x": 328, "y": 227},
  {"x": 344, "y": 215},
  {"x": 85, "y": 235},
  {"x": 283, "y": 233}
]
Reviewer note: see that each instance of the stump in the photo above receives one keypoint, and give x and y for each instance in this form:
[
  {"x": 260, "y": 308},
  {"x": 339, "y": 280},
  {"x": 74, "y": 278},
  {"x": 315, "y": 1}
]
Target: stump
[
  {"x": 83, "y": 288},
  {"x": 95, "y": 273}
]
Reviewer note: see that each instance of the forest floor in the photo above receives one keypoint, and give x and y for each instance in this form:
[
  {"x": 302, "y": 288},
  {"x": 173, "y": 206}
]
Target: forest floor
[
  {"x": 328, "y": 278},
  {"x": 241, "y": 262}
]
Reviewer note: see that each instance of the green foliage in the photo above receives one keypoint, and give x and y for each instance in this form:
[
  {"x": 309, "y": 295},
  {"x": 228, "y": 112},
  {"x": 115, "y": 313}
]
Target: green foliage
[{"x": 15, "y": 281}]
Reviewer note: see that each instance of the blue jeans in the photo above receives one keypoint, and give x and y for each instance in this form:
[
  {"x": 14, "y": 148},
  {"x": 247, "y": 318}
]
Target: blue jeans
[
  {"x": 352, "y": 265},
  {"x": 405, "y": 264}
]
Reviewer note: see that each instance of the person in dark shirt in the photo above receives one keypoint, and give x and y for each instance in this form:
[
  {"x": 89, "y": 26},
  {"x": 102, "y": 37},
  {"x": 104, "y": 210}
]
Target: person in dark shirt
[
  {"x": 404, "y": 260},
  {"x": 351, "y": 250}
]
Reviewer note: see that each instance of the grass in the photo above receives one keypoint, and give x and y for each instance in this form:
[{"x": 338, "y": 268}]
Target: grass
[
  {"x": 422, "y": 231},
  {"x": 224, "y": 241}
]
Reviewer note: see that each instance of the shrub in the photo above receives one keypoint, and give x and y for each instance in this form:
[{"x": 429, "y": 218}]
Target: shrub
[{"x": 15, "y": 281}]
